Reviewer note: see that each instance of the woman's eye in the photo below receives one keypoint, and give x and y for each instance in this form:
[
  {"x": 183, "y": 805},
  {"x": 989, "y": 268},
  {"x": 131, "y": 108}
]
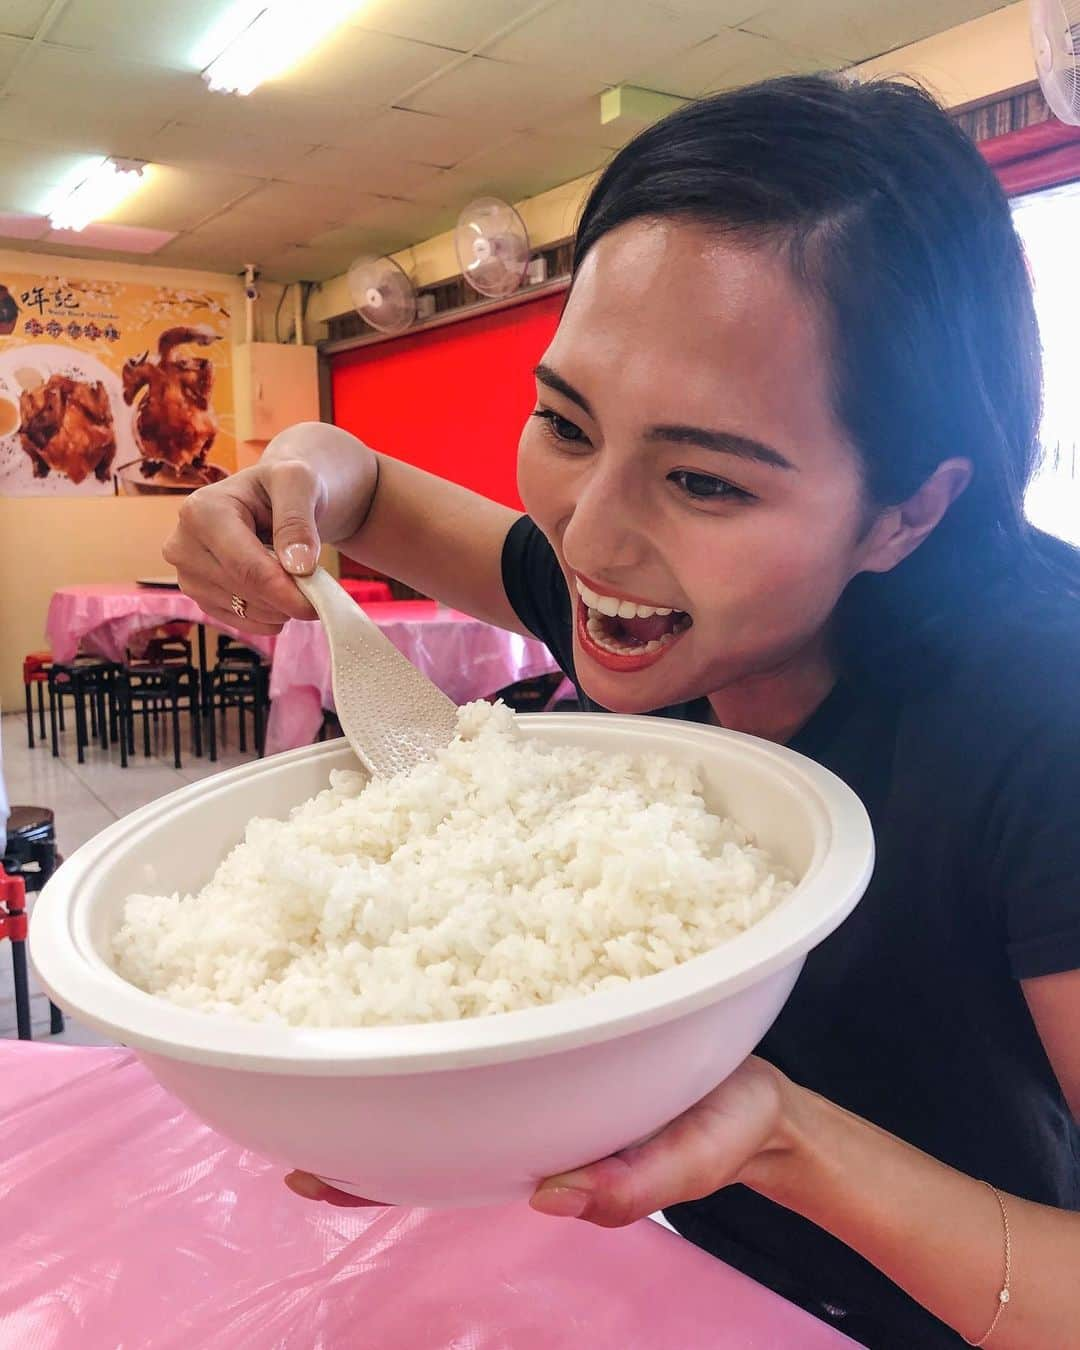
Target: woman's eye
[
  {"x": 703, "y": 486},
  {"x": 560, "y": 427}
]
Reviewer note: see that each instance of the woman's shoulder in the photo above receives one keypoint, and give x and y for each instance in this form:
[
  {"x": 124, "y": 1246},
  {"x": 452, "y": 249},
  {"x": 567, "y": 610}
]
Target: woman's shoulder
[{"x": 1014, "y": 666}]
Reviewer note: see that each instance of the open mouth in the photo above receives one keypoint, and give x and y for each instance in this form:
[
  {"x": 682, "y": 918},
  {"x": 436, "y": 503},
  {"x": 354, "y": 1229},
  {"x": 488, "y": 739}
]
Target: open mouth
[{"x": 623, "y": 634}]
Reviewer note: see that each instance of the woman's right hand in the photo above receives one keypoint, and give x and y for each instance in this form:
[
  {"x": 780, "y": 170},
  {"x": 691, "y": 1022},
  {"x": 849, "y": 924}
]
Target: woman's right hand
[{"x": 308, "y": 487}]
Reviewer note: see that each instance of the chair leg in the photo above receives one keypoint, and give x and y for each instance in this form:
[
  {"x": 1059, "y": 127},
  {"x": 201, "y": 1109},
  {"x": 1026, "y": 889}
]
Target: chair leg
[
  {"x": 211, "y": 730},
  {"x": 102, "y": 718},
  {"x": 22, "y": 989},
  {"x": 195, "y": 706},
  {"x": 243, "y": 724},
  {"x": 80, "y": 726},
  {"x": 146, "y": 729},
  {"x": 62, "y": 727},
  {"x": 41, "y": 707},
  {"x": 54, "y": 698},
  {"x": 56, "y": 1019},
  {"x": 176, "y": 730},
  {"x": 257, "y": 717},
  {"x": 29, "y": 716},
  {"x": 92, "y": 700},
  {"x": 121, "y": 730}
]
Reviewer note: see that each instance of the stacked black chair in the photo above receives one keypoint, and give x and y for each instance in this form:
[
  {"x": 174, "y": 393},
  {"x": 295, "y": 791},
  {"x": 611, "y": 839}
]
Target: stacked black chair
[
  {"x": 161, "y": 681},
  {"x": 241, "y": 680},
  {"x": 90, "y": 683}
]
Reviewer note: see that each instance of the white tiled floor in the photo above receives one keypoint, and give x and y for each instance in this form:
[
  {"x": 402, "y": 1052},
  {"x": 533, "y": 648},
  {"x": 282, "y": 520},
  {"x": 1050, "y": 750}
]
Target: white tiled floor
[{"x": 86, "y": 798}]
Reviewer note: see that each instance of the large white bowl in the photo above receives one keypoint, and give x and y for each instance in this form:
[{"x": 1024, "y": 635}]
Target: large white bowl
[{"x": 477, "y": 1111}]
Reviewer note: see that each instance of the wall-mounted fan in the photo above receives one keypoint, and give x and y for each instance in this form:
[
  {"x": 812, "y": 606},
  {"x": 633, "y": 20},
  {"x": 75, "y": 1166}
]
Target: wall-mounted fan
[
  {"x": 492, "y": 246},
  {"x": 1055, "y": 37},
  {"x": 382, "y": 294}
]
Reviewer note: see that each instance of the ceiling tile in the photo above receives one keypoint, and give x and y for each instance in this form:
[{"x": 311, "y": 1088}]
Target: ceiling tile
[
  {"x": 513, "y": 97},
  {"x": 582, "y": 122},
  {"x": 107, "y": 235},
  {"x": 385, "y": 172},
  {"x": 366, "y": 69},
  {"x": 462, "y": 26},
  {"x": 178, "y": 199},
  {"x": 297, "y": 207},
  {"x": 22, "y": 18},
  {"x": 581, "y": 37},
  {"x": 167, "y": 35},
  {"x": 191, "y": 145},
  {"x": 11, "y": 49},
  {"x": 441, "y": 141},
  {"x": 58, "y": 96},
  {"x": 22, "y": 225},
  {"x": 859, "y": 31},
  {"x": 733, "y": 58},
  {"x": 531, "y": 163},
  {"x": 28, "y": 173}
]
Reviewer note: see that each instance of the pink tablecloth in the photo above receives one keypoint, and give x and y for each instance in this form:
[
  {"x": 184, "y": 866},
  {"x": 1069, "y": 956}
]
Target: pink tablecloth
[
  {"x": 128, "y": 1223},
  {"x": 467, "y": 659},
  {"x": 106, "y": 618}
]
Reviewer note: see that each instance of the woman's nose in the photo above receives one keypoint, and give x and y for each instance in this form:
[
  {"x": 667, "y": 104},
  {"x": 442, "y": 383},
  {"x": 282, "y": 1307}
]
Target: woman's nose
[{"x": 602, "y": 532}]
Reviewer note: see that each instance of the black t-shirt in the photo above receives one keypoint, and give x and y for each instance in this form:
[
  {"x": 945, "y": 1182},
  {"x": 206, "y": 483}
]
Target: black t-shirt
[{"x": 911, "y": 1014}]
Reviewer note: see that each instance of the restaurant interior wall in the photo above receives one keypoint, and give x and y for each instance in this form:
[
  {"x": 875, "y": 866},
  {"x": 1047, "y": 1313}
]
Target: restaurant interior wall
[{"x": 47, "y": 542}]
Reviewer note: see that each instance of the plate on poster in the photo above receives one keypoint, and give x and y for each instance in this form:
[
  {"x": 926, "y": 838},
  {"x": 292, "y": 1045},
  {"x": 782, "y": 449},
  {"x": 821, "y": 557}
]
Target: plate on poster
[
  {"x": 132, "y": 479},
  {"x": 77, "y": 398}
]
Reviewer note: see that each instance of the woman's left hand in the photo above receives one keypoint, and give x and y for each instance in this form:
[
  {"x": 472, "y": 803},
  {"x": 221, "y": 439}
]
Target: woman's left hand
[
  {"x": 716, "y": 1143},
  {"x": 738, "y": 1126}
]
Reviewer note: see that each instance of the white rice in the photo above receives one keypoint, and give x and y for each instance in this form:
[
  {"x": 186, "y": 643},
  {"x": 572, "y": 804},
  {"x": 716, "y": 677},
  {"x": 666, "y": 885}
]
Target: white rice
[{"x": 501, "y": 876}]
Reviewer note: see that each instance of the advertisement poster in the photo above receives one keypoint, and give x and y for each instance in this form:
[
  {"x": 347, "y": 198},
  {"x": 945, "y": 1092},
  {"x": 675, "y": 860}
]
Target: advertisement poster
[{"x": 112, "y": 386}]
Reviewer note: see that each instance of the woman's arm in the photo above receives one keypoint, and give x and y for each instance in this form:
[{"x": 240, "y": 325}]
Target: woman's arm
[
  {"x": 933, "y": 1231},
  {"x": 318, "y": 484}
]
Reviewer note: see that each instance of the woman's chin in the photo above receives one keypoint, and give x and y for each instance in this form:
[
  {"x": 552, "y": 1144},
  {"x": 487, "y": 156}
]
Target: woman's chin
[{"x": 624, "y": 692}]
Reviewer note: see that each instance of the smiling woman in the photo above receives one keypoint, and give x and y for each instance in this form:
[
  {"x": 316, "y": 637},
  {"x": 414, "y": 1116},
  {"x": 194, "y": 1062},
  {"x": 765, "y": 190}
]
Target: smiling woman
[{"x": 774, "y": 479}]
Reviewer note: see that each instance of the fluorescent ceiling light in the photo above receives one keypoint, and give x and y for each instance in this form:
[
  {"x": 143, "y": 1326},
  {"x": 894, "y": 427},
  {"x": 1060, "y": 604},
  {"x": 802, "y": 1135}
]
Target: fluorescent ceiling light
[
  {"x": 91, "y": 192},
  {"x": 256, "y": 40}
]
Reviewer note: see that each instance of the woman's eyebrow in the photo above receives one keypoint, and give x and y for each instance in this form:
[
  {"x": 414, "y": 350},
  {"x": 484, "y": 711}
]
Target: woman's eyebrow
[
  {"x": 555, "y": 381},
  {"x": 724, "y": 442}
]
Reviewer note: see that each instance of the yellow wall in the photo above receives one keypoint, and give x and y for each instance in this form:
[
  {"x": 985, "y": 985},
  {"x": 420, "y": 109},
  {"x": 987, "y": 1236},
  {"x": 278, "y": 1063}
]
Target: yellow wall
[
  {"x": 973, "y": 61},
  {"x": 46, "y": 542},
  {"x": 967, "y": 64}
]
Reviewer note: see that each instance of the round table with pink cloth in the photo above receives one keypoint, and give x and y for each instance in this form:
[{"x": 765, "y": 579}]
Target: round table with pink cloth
[
  {"x": 466, "y": 658},
  {"x": 129, "y": 1223}
]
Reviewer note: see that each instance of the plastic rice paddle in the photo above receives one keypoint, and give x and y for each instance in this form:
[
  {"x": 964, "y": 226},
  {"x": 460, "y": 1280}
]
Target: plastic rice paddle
[{"x": 391, "y": 714}]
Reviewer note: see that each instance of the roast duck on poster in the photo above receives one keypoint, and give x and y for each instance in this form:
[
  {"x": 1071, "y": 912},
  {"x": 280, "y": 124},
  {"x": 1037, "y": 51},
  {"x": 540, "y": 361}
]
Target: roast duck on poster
[{"x": 100, "y": 419}]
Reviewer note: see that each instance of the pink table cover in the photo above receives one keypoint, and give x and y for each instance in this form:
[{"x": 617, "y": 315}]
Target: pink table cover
[
  {"x": 107, "y": 618},
  {"x": 130, "y": 1225},
  {"x": 467, "y": 659}
]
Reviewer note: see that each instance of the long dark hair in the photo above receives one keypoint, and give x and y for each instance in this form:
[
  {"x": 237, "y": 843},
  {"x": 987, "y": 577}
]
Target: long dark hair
[{"x": 893, "y": 220}]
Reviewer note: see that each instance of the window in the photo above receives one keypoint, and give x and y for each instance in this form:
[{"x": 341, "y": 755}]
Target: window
[{"x": 1049, "y": 225}]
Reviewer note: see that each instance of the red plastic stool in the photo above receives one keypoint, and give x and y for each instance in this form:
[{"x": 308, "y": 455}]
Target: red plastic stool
[
  {"x": 35, "y": 670},
  {"x": 13, "y": 926}
]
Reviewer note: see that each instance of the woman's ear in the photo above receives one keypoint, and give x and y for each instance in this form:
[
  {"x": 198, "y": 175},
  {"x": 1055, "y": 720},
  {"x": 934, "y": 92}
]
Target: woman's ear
[{"x": 899, "y": 530}]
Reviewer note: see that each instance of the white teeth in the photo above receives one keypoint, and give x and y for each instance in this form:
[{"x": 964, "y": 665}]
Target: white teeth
[
  {"x": 613, "y": 607},
  {"x": 653, "y": 646}
]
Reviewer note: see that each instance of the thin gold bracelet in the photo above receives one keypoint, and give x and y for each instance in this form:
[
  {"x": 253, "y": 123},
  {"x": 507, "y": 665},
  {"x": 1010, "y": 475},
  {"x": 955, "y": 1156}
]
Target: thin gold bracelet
[{"x": 1004, "y": 1295}]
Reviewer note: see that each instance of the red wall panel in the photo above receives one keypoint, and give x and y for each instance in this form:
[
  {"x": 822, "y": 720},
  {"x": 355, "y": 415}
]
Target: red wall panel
[{"x": 452, "y": 400}]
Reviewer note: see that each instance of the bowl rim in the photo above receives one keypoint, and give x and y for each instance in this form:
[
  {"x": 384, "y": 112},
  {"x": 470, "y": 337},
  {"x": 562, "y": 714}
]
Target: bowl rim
[{"x": 78, "y": 978}]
